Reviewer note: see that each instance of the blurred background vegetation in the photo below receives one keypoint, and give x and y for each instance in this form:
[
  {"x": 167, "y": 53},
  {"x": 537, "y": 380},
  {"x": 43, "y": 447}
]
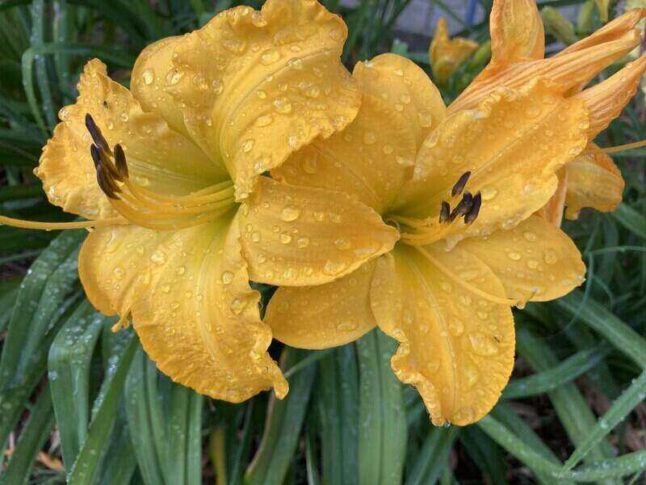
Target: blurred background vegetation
[{"x": 79, "y": 403}]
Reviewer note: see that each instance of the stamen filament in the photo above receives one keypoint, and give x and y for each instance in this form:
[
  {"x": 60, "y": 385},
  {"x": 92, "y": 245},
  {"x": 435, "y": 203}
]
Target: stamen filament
[
  {"x": 626, "y": 147},
  {"x": 60, "y": 226},
  {"x": 467, "y": 286}
]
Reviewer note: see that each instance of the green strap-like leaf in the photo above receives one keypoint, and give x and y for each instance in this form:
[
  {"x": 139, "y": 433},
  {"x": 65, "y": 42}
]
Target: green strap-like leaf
[
  {"x": 432, "y": 459},
  {"x": 382, "y": 419}
]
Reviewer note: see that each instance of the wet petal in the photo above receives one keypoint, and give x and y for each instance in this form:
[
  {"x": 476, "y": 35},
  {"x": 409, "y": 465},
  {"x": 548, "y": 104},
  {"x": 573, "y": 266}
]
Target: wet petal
[
  {"x": 456, "y": 347},
  {"x": 158, "y": 157},
  {"x": 323, "y": 316},
  {"x": 512, "y": 145},
  {"x": 190, "y": 303},
  {"x": 447, "y": 54},
  {"x": 516, "y": 31},
  {"x": 593, "y": 181},
  {"x": 569, "y": 71},
  {"x": 371, "y": 158},
  {"x": 253, "y": 87},
  {"x": 605, "y": 101},
  {"x": 535, "y": 261},
  {"x": 298, "y": 236},
  {"x": 554, "y": 210}
]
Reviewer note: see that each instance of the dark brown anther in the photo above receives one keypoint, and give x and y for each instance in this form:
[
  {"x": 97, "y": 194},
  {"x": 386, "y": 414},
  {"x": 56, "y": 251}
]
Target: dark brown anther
[
  {"x": 105, "y": 183},
  {"x": 472, "y": 215},
  {"x": 95, "y": 151},
  {"x": 445, "y": 211},
  {"x": 120, "y": 161},
  {"x": 95, "y": 133},
  {"x": 463, "y": 207},
  {"x": 460, "y": 184}
]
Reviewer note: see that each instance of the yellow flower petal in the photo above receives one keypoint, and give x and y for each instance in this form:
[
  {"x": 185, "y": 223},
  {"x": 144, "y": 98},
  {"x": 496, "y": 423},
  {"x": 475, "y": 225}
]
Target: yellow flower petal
[
  {"x": 456, "y": 348},
  {"x": 554, "y": 209},
  {"x": 569, "y": 70},
  {"x": 535, "y": 261},
  {"x": 254, "y": 87},
  {"x": 447, "y": 54},
  {"x": 319, "y": 317},
  {"x": 606, "y": 100},
  {"x": 404, "y": 86},
  {"x": 298, "y": 236},
  {"x": 513, "y": 145},
  {"x": 158, "y": 157},
  {"x": 593, "y": 181},
  {"x": 516, "y": 31},
  {"x": 188, "y": 295},
  {"x": 371, "y": 158}
]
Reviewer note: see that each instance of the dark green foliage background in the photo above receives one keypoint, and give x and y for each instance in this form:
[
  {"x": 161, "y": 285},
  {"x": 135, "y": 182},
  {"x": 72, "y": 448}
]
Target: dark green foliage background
[{"x": 573, "y": 411}]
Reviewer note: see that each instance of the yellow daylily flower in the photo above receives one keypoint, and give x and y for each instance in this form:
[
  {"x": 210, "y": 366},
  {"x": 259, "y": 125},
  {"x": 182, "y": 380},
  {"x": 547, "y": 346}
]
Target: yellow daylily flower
[
  {"x": 518, "y": 43},
  {"x": 446, "y": 54},
  {"x": 164, "y": 173},
  {"x": 462, "y": 188}
]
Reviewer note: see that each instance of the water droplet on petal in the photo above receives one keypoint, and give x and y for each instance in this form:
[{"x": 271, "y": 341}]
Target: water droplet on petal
[
  {"x": 227, "y": 277},
  {"x": 482, "y": 344},
  {"x": 550, "y": 256},
  {"x": 283, "y": 105},
  {"x": 148, "y": 76},
  {"x": 285, "y": 238},
  {"x": 290, "y": 213},
  {"x": 269, "y": 56},
  {"x": 514, "y": 256}
]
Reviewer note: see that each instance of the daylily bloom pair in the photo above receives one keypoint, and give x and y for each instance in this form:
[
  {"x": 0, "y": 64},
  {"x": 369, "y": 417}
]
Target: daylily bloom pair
[{"x": 384, "y": 207}]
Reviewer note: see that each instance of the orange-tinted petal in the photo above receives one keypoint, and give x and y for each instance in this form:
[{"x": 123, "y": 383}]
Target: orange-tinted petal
[
  {"x": 593, "y": 181},
  {"x": 512, "y": 145},
  {"x": 371, "y": 158},
  {"x": 319, "y": 317},
  {"x": 253, "y": 87},
  {"x": 189, "y": 299},
  {"x": 555, "y": 208},
  {"x": 456, "y": 347},
  {"x": 158, "y": 157},
  {"x": 516, "y": 31},
  {"x": 298, "y": 236},
  {"x": 447, "y": 54},
  {"x": 605, "y": 101},
  {"x": 535, "y": 261}
]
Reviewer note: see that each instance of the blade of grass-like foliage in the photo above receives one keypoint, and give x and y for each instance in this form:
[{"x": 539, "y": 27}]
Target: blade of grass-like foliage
[
  {"x": 86, "y": 466},
  {"x": 39, "y": 12},
  {"x": 120, "y": 462},
  {"x": 69, "y": 374},
  {"x": 505, "y": 414},
  {"x": 604, "y": 322},
  {"x": 8, "y": 292},
  {"x": 32, "y": 438},
  {"x": 485, "y": 454},
  {"x": 311, "y": 463},
  {"x": 338, "y": 411},
  {"x": 601, "y": 470},
  {"x": 283, "y": 426},
  {"x": 630, "y": 219},
  {"x": 240, "y": 450},
  {"x": 630, "y": 398},
  {"x": 433, "y": 458},
  {"x": 572, "y": 409},
  {"x": 550, "y": 379},
  {"x": 44, "y": 298},
  {"x": 382, "y": 417}
]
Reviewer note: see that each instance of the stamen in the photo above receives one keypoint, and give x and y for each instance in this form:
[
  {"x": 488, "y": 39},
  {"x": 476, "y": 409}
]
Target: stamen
[
  {"x": 626, "y": 147},
  {"x": 60, "y": 226},
  {"x": 463, "y": 207},
  {"x": 95, "y": 133},
  {"x": 445, "y": 211},
  {"x": 472, "y": 215},
  {"x": 120, "y": 161},
  {"x": 467, "y": 286},
  {"x": 106, "y": 183},
  {"x": 460, "y": 184}
]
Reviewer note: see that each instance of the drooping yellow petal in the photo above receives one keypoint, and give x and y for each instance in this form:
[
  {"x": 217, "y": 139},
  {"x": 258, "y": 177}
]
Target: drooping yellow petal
[
  {"x": 371, "y": 158},
  {"x": 158, "y": 157},
  {"x": 446, "y": 54},
  {"x": 319, "y": 317},
  {"x": 606, "y": 100},
  {"x": 188, "y": 296},
  {"x": 516, "y": 31},
  {"x": 298, "y": 236},
  {"x": 513, "y": 145},
  {"x": 593, "y": 181},
  {"x": 535, "y": 261},
  {"x": 554, "y": 210},
  {"x": 456, "y": 347},
  {"x": 253, "y": 87},
  {"x": 571, "y": 69}
]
